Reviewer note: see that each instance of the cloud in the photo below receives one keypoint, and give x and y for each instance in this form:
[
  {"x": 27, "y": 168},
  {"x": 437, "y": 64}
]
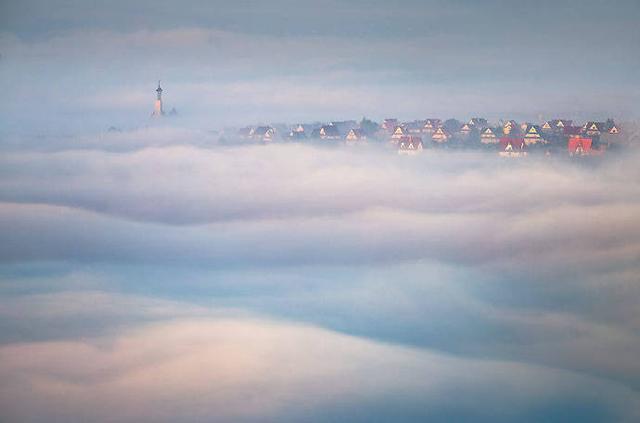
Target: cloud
[
  {"x": 457, "y": 254},
  {"x": 238, "y": 369}
]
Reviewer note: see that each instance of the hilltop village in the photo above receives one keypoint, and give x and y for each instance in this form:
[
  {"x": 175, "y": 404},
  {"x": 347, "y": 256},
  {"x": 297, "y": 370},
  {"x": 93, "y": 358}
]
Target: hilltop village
[{"x": 506, "y": 138}]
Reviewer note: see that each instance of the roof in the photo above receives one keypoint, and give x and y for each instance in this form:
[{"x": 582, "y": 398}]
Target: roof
[
  {"x": 572, "y": 130},
  {"x": 410, "y": 143},
  {"x": 516, "y": 143},
  {"x": 595, "y": 126},
  {"x": 533, "y": 130},
  {"x": 262, "y": 130},
  {"x": 467, "y": 127},
  {"x": 488, "y": 132},
  {"x": 398, "y": 132},
  {"x": 326, "y": 131},
  {"x": 432, "y": 123},
  {"x": 389, "y": 123},
  {"x": 357, "y": 132},
  {"x": 477, "y": 122},
  {"x": 558, "y": 123},
  {"x": 579, "y": 143},
  {"x": 440, "y": 133}
]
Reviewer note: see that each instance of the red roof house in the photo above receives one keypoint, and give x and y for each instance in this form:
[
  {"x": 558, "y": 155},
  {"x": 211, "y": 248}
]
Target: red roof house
[
  {"x": 579, "y": 146},
  {"x": 512, "y": 147}
]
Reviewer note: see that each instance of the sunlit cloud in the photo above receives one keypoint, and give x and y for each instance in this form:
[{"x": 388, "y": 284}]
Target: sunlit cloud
[{"x": 231, "y": 369}]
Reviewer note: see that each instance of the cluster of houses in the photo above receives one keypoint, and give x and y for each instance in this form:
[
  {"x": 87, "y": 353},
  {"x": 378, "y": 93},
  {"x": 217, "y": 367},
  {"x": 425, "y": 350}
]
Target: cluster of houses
[{"x": 508, "y": 138}]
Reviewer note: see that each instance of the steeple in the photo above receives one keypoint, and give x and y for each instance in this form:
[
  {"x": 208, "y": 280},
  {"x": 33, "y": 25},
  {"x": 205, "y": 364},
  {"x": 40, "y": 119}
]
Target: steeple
[{"x": 157, "y": 108}]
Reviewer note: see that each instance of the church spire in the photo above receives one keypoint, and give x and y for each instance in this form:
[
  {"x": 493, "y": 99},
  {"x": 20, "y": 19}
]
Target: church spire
[{"x": 157, "y": 108}]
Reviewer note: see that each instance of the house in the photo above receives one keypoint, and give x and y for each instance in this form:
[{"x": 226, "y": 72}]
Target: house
[
  {"x": 326, "y": 132},
  {"x": 389, "y": 125},
  {"x": 510, "y": 127},
  {"x": 440, "y": 135},
  {"x": 263, "y": 133},
  {"x": 512, "y": 147},
  {"x": 579, "y": 146},
  {"x": 594, "y": 129},
  {"x": 478, "y": 122},
  {"x": 533, "y": 135},
  {"x": 398, "y": 133},
  {"x": 430, "y": 126},
  {"x": 614, "y": 130},
  {"x": 572, "y": 130},
  {"x": 488, "y": 136},
  {"x": 466, "y": 129},
  {"x": 556, "y": 125},
  {"x": 410, "y": 145},
  {"x": 611, "y": 127},
  {"x": 524, "y": 126},
  {"x": 355, "y": 136},
  {"x": 414, "y": 127},
  {"x": 344, "y": 126}
]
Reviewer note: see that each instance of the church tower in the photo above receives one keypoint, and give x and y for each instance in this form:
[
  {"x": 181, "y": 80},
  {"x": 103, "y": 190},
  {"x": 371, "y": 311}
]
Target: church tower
[{"x": 157, "y": 108}]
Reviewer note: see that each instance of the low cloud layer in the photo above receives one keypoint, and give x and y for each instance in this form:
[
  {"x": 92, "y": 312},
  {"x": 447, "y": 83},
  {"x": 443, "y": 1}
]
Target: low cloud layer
[
  {"x": 248, "y": 370},
  {"x": 290, "y": 281}
]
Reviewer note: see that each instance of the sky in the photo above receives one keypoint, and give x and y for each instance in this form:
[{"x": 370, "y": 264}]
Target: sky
[
  {"x": 241, "y": 62},
  {"x": 153, "y": 274}
]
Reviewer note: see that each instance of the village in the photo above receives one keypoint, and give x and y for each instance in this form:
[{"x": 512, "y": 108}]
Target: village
[{"x": 506, "y": 138}]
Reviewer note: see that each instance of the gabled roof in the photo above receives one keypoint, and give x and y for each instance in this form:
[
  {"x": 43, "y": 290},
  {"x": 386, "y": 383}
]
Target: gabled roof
[
  {"x": 512, "y": 143},
  {"x": 440, "y": 134},
  {"x": 557, "y": 124},
  {"x": 487, "y": 132},
  {"x": 533, "y": 130},
  {"x": 329, "y": 131},
  {"x": 262, "y": 131},
  {"x": 389, "y": 124},
  {"x": 510, "y": 126},
  {"x": 466, "y": 128},
  {"x": 595, "y": 126},
  {"x": 432, "y": 123},
  {"x": 479, "y": 122},
  {"x": 399, "y": 130},
  {"x": 355, "y": 133},
  {"x": 580, "y": 145},
  {"x": 410, "y": 143}
]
